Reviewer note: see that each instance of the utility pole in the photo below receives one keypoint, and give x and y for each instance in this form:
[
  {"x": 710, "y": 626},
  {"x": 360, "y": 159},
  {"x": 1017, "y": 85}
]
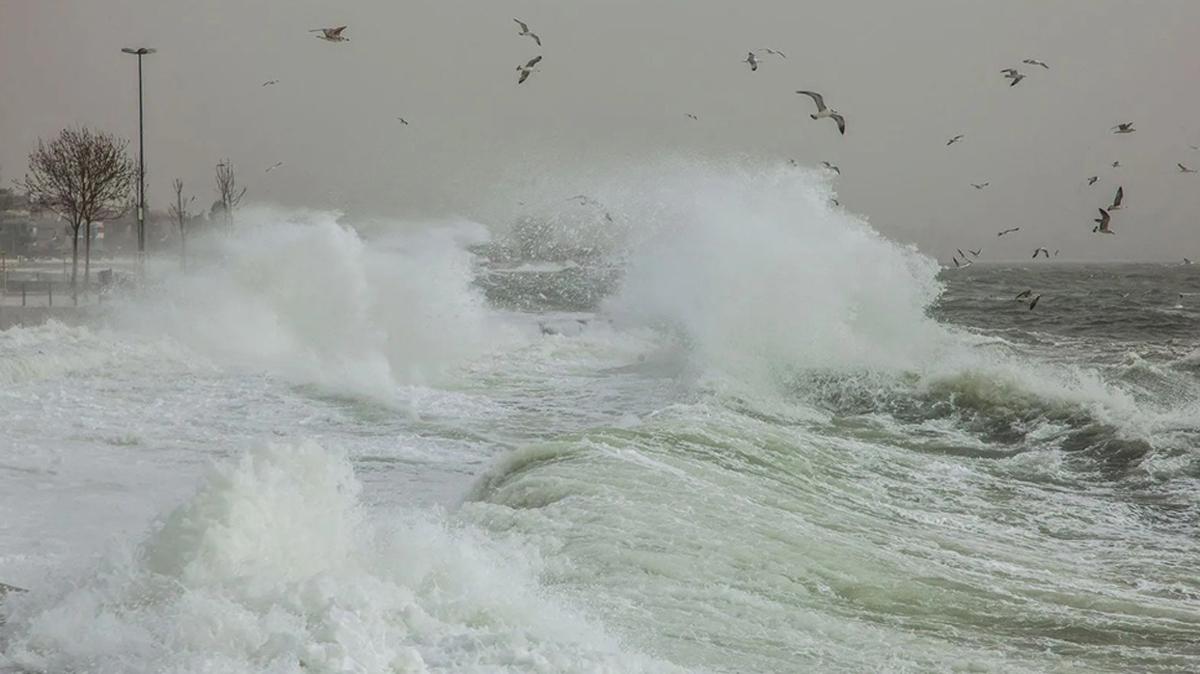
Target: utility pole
[{"x": 141, "y": 189}]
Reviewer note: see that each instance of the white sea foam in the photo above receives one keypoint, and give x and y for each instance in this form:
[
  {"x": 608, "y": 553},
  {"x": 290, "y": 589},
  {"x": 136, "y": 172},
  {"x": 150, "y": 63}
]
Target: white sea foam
[
  {"x": 274, "y": 566},
  {"x": 302, "y": 296}
]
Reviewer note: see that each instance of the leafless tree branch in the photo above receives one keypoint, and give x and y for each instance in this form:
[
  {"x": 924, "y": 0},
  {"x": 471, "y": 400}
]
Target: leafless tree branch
[
  {"x": 83, "y": 176},
  {"x": 227, "y": 190}
]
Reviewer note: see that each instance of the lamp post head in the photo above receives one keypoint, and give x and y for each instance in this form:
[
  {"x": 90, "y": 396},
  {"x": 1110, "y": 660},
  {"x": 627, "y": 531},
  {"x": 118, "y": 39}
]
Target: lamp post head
[{"x": 140, "y": 51}]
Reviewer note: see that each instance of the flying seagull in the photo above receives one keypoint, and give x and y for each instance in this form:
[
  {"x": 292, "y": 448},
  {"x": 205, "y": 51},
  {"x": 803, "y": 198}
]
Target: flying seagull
[
  {"x": 1120, "y": 195},
  {"x": 961, "y": 265},
  {"x": 831, "y": 167},
  {"x": 960, "y": 253},
  {"x": 1102, "y": 228},
  {"x": 525, "y": 31},
  {"x": 274, "y": 166},
  {"x": 1012, "y": 74},
  {"x": 1008, "y": 231},
  {"x": 402, "y": 121},
  {"x": 974, "y": 253},
  {"x": 270, "y": 82},
  {"x": 1184, "y": 169},
  {"x": 954, "y": 139},
  {"x": 1040, "y": 250},
  {"x": 979, "y": 186},
  {"x": 1116, "y": 164},
  {"x": 526, "y": 69},
  {"x": 1124, "y": 127},
  {"x": 1023, "y": 294},
  {"x": 752, "y": 60},
  {"x": 1034, "y": 302},
  {"x": 823, "y": 111},
  {"x": 773, "y": 52},
  {"x": 1092, "y": 180},
  {"x": 1035, "y": 62},
  {"x": 331, "y": 34},
  {"x": 691, "y": 116}
]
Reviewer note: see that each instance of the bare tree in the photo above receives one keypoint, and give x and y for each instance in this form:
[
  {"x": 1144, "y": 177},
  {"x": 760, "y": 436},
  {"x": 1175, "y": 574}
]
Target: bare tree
[
  {"x": 83, "y": 176},
  {"x": 179, "y": 213},
  {"x": 227, "y": 189}
]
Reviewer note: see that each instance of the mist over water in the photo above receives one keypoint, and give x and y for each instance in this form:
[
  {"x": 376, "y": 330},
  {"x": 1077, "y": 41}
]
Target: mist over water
[{"x": 702, "y": 420}]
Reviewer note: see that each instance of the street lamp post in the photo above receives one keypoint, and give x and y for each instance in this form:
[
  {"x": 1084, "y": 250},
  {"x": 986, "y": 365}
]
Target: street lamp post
[{"x": 141, "y": 188}]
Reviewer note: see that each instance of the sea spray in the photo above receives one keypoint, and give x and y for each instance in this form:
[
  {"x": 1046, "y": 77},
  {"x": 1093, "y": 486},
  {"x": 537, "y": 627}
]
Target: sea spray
[
  {"x": 760, "y": 271},
  {"x": 303, "y": 296},
  {"x": 273, "y": 566}
]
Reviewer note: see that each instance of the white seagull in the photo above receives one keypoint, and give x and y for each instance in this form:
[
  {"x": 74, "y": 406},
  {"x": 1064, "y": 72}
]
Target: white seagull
[
  {"x": 773, "y": 52},
  {"x": 1102, "y": 228},
  {"x": 1116, "y": 204},
  {"x": 1035, "y": 62},
  {"x": 752, "y": 60},
  {"x": 525, "y": 31},
  {"x": 274, "y": 166},
  {"x": 1184, "y": 169},
  {"x": 823, "y": 112},
  {"x": 831, "y": 167},
  {"x": 270, "y": 82},
  {"x": 980, "y": 186},
  {"x": 526, "y": 69},
  {"x": 1124, "y": 127},
  {"x": 954, "y": 139},
  {"x": 402, "y": 121},
  {"x": 1040, "y": 250},
  {"x": 331, "y": 34},
  {"x": 1092, "y": 180}
]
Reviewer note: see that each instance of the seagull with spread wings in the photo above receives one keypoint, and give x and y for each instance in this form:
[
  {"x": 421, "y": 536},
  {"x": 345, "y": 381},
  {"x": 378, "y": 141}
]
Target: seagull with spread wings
[
  {"x": 331, "y": 34},
  {"x": 525, "y": 31},
  {"x": 527, "y": 69},
  {"x": 823, "y": 111},
  {"x": 1012, "y": 74}
]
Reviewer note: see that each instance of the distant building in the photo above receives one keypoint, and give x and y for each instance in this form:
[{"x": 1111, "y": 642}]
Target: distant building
[{"x": 28, "y": 232}]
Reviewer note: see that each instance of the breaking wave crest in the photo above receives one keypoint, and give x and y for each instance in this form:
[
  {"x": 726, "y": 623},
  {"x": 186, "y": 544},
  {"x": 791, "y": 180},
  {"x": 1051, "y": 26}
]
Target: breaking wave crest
[
  {"x": 302, "y": 296},
  {"x": 274, "y": 566}
]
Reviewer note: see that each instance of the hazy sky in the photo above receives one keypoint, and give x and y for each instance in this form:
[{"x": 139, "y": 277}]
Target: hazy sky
[{"x": 617, "y": 79}]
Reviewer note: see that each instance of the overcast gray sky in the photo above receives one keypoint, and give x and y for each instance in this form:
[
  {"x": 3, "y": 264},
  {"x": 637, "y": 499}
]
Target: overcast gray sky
[{"x": 617, "y": 79}]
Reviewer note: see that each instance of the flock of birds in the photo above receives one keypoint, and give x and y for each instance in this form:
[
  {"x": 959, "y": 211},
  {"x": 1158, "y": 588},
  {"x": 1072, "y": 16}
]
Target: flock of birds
[
  {"x": 1014, "y": 76},
  {"x": 1102, "y": 223},
  {"x": 823, "y": 111}
]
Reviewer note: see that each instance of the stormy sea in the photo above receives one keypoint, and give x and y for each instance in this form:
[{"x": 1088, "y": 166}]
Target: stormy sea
[{"x": 701, "y": 420}]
